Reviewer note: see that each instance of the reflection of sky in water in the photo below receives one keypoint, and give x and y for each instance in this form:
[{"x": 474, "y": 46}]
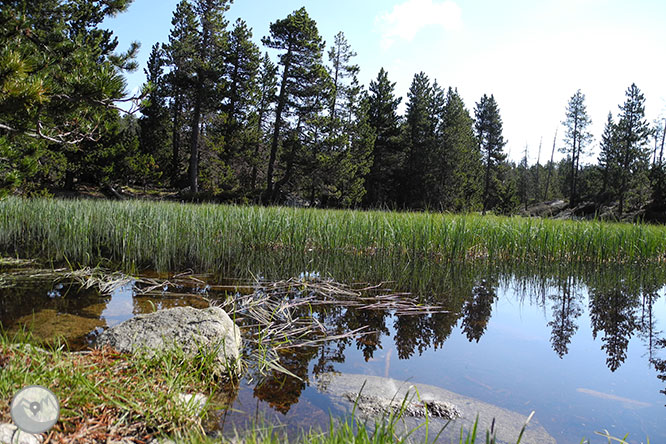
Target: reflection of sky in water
[
  {"x": 121, "y": 305},
  {"x": 514, "y": 366}
]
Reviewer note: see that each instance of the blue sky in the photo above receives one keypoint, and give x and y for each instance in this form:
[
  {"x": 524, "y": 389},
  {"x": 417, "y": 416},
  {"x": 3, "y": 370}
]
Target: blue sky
[{"x": 531, "y": 54}]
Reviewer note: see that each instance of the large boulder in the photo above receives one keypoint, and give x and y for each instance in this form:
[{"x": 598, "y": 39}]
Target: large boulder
[
  {"x": 373, "y": 398},
  {"x": 186, "y": 328}
]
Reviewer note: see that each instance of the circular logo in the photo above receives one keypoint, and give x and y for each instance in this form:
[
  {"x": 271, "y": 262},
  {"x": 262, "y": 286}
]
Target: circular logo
[{"x": 35, "y": 409}]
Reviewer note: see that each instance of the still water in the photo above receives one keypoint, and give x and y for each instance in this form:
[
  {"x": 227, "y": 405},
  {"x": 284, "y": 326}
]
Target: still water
[{"x": 583, "y": 349}]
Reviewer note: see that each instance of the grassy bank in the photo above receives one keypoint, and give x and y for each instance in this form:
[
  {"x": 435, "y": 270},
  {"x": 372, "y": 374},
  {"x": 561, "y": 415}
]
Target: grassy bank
[
  {"x": 105, "y": 395},
  {"x": 172, "y": 236}
]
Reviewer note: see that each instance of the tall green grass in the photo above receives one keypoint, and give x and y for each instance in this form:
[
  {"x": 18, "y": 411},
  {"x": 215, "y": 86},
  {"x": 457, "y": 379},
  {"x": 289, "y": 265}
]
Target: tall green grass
[{"x": 172, "y": 236}]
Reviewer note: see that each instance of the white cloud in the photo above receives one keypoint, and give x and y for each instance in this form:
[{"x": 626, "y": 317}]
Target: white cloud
[{"x": 408, "y": 18}]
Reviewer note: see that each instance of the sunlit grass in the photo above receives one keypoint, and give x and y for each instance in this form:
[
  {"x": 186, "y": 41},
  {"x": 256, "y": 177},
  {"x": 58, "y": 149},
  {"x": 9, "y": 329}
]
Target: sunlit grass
[
  {"x": 173, "y": 236},
  {"x": 104, "y": 394}
]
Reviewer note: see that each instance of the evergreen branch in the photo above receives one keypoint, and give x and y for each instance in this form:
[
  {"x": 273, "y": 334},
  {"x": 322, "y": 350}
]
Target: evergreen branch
[{"x": 61, "y": 139}]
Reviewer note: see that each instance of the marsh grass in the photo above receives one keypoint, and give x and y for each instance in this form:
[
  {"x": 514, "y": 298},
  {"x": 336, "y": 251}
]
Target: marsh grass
[
  {"x": 105, "y": 395},
  {"x": 171, "y": 236}
]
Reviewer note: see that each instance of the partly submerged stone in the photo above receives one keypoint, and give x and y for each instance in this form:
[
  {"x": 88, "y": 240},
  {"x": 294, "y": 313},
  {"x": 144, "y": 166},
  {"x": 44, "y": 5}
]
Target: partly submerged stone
[
  {"x": 208, "y": 330},
  {"x": 417, "y": 408},
  {"x": 375, "y": 398}
]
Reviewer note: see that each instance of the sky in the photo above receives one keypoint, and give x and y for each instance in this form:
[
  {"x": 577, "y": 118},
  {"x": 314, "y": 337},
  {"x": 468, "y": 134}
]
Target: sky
[{"x": 532, "y": 55}]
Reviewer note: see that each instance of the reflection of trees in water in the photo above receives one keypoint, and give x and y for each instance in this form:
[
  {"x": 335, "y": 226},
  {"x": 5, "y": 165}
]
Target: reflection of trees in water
[
  {"x": 660, "y": 364},
  {"x": 281, "y": 391},
  {"x": 476, "y": 311},
  {"x": 620, "y": 307},
  {"x": 566, "y": 309},
  {"x": 613, "y": 312}
]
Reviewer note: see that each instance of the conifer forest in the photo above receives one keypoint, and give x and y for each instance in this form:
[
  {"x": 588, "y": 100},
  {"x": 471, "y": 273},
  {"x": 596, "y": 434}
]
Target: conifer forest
[{"x": 223, "y": 118}]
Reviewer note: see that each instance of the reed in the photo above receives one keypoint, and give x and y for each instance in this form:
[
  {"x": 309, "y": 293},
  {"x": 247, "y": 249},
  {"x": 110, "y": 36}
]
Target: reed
[{"x": 172, "y": 236}]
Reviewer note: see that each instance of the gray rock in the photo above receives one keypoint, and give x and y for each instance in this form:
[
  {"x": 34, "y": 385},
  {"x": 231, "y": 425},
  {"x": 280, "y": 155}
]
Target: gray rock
[
  {"x": 10, "y": 434},
  {"x": 460, "y": 409},
  {"x": 191, "y": 329},
  {"x": 194, "y": 403},
  {"x": 412, "y": 406}
]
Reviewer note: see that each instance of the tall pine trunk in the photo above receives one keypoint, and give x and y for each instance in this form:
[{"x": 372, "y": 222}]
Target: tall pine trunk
[
  {"x": 175, "y": 142},
  {"x": 282, "y": 101},
  {"x": 194, "y": 142},
  {"x": 486, "y": 190}
]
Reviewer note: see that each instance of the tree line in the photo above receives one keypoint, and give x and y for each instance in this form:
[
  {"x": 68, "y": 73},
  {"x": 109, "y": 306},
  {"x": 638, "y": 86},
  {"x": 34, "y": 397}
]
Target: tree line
[{"x": 220, "y": 118}]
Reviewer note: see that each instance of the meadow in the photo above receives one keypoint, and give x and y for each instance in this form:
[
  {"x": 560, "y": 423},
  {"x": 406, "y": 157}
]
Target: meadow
[{"x": 169, "y": 236}]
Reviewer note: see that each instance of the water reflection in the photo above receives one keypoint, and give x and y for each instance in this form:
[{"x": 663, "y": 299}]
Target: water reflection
[
  {"x": 566, "y": 310},
  {"x": 619, "y": 301},
  {"x": 476, "y": 311}
]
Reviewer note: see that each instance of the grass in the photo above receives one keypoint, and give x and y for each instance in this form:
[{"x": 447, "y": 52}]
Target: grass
[
  {"x": 104, "y": 394},
  {"x": 170, "y": 236}
]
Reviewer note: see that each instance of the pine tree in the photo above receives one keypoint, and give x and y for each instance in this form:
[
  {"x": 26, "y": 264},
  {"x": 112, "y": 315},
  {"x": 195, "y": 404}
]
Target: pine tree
[
  {"x": 242, "y": 60},
  {"x": 491, "y": 143},
  {"x": 382, "y": 181},
  {"x": 420, "y": 141},
  {"x": 345, "y": 158},
  {"x": 608, "y": 156},
  {"x": 180, "y": 54},
  {"x": 208, "y": 73},
  {"x": 576, "y": 137},
  {"x": 266, "y": 95},
  {"x": 60, "y": 79},
  {"x": 633, "y": 132},
  {"x": 458, "y": 163},
  {"x": 226, "y": 161},
  {"x": 155, "y": 122},
  {"x": 356, "y": 161},
  {"x": 341, "y": 68},
  {"x": 298, "y": 39}
]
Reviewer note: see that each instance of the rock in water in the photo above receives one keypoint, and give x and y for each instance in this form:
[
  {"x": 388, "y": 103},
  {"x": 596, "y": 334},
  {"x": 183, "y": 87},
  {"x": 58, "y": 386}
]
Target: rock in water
[
  {"x": 191, "y": 329},
  {"x": 374, "y": 398}
]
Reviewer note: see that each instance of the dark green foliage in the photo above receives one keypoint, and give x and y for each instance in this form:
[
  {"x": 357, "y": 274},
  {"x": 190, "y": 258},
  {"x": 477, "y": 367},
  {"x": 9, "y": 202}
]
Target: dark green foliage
[
  {"x": 117, "y": 158},
  {"x": 59, "y": 78},
  {"x": 242, "y": 60},
  {"x": 155, "y": 123},
  {"x": 491, "y": 142},
  {"x": 179, "y": 54},
  {"x": 524, "y": 182},
  {"x": 350, "y": 138},
  {"x": 233, "y": 133},
  {"x": 266, "y": 96},
  {"x": 301, "y": 49},
  {"x": 208, "y": 70},
  {"x": 658, "y": 169},
  {"x": 609, "y": 158},
  {"x": 420, "y": 140},
  {"x": 221, "y": 120},
  {"x": 457, "y": 167},
  {"x": 633, "y": 156},
  {"x": 382, "y": 181}
]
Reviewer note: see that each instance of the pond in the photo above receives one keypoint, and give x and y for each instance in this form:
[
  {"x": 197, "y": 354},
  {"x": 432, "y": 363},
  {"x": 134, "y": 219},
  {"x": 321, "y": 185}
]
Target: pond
[{"x": 583, "y": 348}]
